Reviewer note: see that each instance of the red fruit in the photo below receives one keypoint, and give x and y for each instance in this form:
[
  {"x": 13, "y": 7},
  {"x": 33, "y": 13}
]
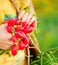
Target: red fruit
[
  {"x": 28, "y": 30},
  {"x": 11, "y": 22},
  {"x": 20, "y": 34},
  {"x": 10, "y": 29},
  {"x": 14, "y": 39},
  {"x": 14, "y": 50},
  {"x": 33, "y": 24},
  {"x": 17, "y": 22},
  {"x": 24, "y": 24},
  {"x": 21, "y": 45}
]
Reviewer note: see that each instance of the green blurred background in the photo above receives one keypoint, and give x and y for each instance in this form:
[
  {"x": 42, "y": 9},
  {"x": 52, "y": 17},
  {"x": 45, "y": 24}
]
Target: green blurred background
[{"x": 47, "y": 13}]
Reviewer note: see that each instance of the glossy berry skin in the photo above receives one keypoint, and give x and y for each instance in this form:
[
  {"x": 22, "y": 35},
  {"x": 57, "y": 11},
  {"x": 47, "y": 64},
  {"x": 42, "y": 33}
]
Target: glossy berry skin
[
  {"x": 14, "y": 50},
  {"x": 14, "y": 39},
  {"x": 21, "y": 45},
  {"x": 11, "y": 22},
  {"x": 10, "y": 29},
  {"x": 17, "y": 22}
]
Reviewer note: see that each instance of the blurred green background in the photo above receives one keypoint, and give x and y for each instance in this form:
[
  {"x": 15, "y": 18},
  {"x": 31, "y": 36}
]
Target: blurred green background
[{"x": 47, "y": 13}]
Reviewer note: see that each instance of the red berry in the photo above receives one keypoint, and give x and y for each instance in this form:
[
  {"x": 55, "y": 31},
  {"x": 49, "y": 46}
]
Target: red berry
[
  {"x": 17, "y": 22},
  {"x": 20, "y": 34},
  {"x": 11, "y": 22},
  {"x": 33, "y": 24},
  {"x": 14, "y": 39},
  {"x": 21, "y": 45},
  {"x": 28, "y": 30},
  {"x": 10, "y": 29},
  {"x": 14, "y": 50},
  {"x": 24, "y": 24}
]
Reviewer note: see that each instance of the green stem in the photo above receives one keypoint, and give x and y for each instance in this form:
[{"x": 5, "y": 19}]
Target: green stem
[
  {"x": 51, "y": 59},
  {"x": 1, "y": 51},
  {"x": 35, "y": 61},
  {"x": 53, "y": 56},
  {"x": 41, "y": 59},
  {"x": 53, "y": 49},
  {"x": 46, "y": 62}
]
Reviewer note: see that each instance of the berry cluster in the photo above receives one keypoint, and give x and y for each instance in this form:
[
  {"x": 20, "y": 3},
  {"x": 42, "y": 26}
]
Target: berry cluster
[{"x": 19, "y": 31}]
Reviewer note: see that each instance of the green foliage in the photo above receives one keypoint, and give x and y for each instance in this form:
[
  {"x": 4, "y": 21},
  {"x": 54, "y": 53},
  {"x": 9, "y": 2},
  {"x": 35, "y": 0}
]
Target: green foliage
[
  {"x": 5, "y": 52},
  {"x": 49, "y": 57}
]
